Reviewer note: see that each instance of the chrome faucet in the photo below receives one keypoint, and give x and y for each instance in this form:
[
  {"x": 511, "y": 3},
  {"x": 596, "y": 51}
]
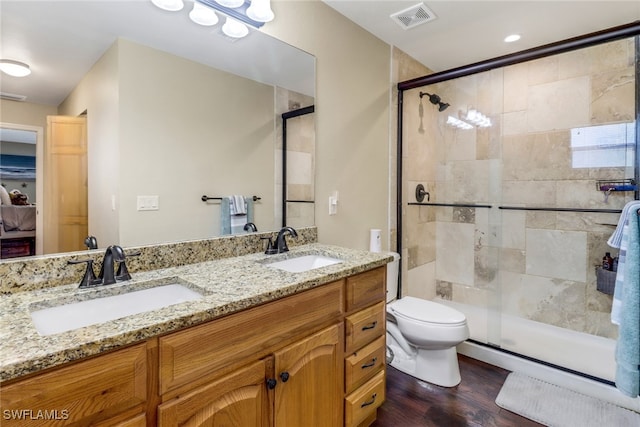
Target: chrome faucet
[
  {"x": 107, "y": 272},
  {"x": 281, "y": 241}
]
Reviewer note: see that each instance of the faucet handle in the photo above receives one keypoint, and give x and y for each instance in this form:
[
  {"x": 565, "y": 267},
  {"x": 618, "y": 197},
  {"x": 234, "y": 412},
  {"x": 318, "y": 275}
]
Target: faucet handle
[
  {"x": 89, "y": 279},
  {"x": 123, "y": 272},
  {"x": 270, "y": 248}
]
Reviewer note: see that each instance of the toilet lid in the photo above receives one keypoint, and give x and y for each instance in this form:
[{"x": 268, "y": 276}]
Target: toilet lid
[{"x": 427, "y": 311}]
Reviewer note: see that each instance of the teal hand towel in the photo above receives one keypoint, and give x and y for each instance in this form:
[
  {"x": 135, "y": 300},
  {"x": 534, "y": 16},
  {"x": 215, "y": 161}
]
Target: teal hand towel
[
  {"x": 628, "y": 345},
  {"x": 230, "y": 221}
]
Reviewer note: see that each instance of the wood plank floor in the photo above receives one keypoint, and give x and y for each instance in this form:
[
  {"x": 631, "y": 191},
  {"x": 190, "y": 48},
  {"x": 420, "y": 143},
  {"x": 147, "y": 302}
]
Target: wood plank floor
[{"x": 411, "y": 402}]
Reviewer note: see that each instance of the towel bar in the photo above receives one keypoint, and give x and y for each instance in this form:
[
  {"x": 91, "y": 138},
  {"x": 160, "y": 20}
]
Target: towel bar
[{"x": 206, "y": 198}]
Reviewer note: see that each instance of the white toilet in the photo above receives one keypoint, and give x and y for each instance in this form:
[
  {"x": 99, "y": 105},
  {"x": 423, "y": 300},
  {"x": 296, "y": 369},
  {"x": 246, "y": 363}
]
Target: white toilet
[{"x": 422, "y": 335}]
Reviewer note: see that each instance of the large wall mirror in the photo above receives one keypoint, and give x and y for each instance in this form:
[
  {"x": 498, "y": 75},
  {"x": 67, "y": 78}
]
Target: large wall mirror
[{"x": 172, "y": 111}]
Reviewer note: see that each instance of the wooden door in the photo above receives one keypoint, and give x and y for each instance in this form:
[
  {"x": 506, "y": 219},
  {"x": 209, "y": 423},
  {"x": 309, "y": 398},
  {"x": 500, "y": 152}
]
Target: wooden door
[
  {"x": 309, "y": 391},
  {"x": 66, "y": 184},
  {"x": 239, "y": 399}
]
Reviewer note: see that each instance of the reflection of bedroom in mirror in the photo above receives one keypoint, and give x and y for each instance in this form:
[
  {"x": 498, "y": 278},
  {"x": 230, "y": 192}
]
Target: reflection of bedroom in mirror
[{"x": 18, "y": 193}]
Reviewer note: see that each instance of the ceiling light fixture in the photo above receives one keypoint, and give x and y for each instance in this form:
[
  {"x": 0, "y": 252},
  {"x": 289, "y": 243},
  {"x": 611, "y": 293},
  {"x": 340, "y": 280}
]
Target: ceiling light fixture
[
  {"x": 170, "y": 5},
  {"x": 203, "y": 15},
  {"x": 14, "y": 68},
  {"x": 512, "y": 38}
]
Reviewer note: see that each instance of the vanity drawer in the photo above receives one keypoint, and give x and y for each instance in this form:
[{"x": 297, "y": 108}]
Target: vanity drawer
[
  {"x": 82, "y": 393},
  {"x": 192, "y": 357},
  {"x": 364, "y": 326},
  {"x": 366, "y": 288},
  {"x": 364, "y": 364},
  {"x": 363, "y": 402}
]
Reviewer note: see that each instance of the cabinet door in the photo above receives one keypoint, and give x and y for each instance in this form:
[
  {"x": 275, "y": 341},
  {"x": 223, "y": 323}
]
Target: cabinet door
[
  {"x": 309, "y": 378},
  {"x": 239, "y": 399}
]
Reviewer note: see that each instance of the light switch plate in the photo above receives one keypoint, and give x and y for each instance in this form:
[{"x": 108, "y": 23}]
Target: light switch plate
[{"x": 148, "y": 203}]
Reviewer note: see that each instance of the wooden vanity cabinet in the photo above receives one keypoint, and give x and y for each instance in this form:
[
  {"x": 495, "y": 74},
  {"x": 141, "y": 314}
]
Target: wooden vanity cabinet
[
  {"x": 365, "y": 349},
  {"x": 315, "y": 358},
  {"x": 260, "y": 367},
  {"x": 108, "y": 390}
]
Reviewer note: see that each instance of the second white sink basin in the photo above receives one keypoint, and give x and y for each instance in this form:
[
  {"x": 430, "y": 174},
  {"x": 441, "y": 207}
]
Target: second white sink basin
[
  {"x": 74, "y": 315},
  {"x": 304, "y": 263}
]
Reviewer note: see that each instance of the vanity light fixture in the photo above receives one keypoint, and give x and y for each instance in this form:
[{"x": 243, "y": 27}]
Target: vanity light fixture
[
  {"x": 170, "y": 5},
  {"x": 203, "y": 15},
  {"x": 512, "y": 38},
  {"x": 256, "y": 18},
  {"x": 14, "y": 68},
  {"x": 239, "y": 13}
]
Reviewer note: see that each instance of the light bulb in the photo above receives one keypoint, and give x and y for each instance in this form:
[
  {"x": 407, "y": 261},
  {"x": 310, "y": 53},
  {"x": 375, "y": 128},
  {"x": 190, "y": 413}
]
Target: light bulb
[
  {"x": 260, "y": 10},
  {"x": 230, "y": 3},
  {"x": 170, "y": 5},
  {"x": 234, "y": 28},
  {"x": 203, "y": 15}
]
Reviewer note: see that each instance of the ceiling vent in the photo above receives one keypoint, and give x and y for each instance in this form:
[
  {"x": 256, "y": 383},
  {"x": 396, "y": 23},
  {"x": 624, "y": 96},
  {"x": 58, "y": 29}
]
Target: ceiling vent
[
  {"x": 12, "y": 96},
  {"x": 413, "y": 16}
]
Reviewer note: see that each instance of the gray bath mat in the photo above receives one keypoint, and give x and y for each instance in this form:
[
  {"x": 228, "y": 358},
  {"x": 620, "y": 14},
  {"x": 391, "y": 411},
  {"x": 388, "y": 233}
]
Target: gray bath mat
[{"x": 555, "y": 406}]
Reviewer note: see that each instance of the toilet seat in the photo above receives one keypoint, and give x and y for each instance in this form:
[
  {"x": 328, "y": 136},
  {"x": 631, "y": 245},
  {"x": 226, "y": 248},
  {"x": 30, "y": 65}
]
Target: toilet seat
[{"x": 427, "y": 312}]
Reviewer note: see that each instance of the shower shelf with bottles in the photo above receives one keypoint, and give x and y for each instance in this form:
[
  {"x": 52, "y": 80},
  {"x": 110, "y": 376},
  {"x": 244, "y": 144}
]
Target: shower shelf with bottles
[
  {"x": 616, "y": 185},
  {"x": 609, "y": 186}
]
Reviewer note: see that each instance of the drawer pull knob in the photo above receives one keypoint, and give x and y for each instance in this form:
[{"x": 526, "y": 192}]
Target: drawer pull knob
[
  {"x": 271, "y": 383},
  {"x": 370, "y": 402},
  {"x": 370, "y": 325},
  {"x": 370, "y": 364},
  {"x": 284, "y": 377}
]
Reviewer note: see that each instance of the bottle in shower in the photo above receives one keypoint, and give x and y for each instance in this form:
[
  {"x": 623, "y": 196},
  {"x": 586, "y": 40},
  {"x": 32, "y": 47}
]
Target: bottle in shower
[{"x": 607, "y": 262}]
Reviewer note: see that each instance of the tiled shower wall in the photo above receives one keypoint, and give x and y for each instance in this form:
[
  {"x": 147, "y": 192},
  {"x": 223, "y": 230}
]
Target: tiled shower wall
[
  {"x": 301, "y": 148},
  {"x": 538, "y": 265}
]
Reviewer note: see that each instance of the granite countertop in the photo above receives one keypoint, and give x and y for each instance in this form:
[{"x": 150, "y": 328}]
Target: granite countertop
[{"x": 228, "y": 285}]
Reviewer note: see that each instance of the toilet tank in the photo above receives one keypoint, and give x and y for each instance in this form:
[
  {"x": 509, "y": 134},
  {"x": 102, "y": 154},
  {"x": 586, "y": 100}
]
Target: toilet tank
[{"x": 392, "y": 276}]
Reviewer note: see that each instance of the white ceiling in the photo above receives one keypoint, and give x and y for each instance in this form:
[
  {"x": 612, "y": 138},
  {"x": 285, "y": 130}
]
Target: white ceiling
[
  {"x": 466, "y": 32},
  {"x": 61, "y": 40}
]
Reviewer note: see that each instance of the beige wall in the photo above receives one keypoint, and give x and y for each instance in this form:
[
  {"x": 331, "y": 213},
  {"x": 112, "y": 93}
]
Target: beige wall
[
  {"x": 165, "y": 126},
  {"x": 352, "y": 120},
  {"x": 189, "y": 130}
]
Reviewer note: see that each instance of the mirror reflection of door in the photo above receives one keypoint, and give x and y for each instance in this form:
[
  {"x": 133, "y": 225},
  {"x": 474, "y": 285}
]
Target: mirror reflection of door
[{"x": 66, "y": 184}]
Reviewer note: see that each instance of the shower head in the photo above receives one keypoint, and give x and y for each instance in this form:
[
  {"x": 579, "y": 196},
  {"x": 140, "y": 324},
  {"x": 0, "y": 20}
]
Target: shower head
[{"x": 435, "y": 100}]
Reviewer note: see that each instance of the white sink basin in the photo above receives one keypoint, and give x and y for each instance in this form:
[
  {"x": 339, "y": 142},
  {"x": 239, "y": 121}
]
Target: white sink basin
[
  {"x": 304, "y": 263},
  {"x": 67, "y": 317}
]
